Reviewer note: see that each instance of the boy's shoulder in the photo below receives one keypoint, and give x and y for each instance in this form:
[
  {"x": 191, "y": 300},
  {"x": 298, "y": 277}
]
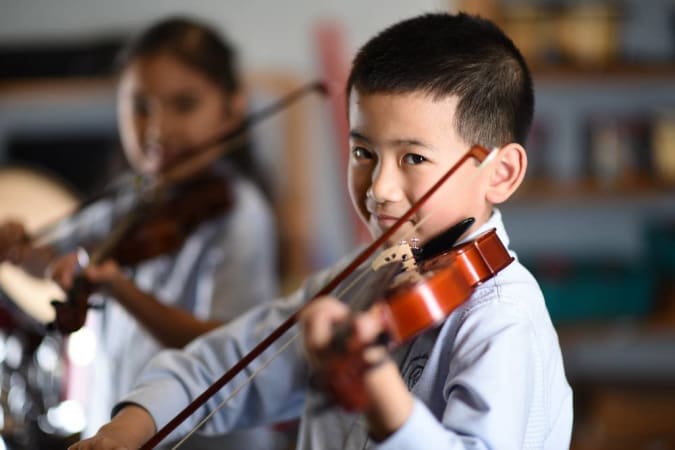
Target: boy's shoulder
[
  {"x": 509, "y": 307},
  {"x": 514, "y": 288}
]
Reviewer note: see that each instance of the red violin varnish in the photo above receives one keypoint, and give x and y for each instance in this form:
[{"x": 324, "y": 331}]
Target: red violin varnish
[{"x": 448, "y": 280}]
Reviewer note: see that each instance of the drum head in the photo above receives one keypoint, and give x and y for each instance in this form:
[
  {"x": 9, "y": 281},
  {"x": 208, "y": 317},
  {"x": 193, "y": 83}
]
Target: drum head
[{"x": 37, "y": 200}]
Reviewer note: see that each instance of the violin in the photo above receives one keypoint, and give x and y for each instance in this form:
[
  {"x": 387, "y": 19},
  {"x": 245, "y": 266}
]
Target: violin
[
  {"x": 168, "y": 210},
  {"x": 167, "y": 222},
  {"x": 152, "y": 228},
  {"x": 412, "y": 310},
  {"x": 443, "y": 283}
]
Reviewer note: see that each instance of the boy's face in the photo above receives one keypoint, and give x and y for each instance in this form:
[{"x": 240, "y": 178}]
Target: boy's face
[{"x": 400, "y": 145}]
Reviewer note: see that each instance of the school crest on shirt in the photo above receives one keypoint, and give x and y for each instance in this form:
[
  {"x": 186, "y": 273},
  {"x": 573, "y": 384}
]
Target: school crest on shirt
[
  {"x": 413, "y": 357},
  {"x": 413, "y": 368}
]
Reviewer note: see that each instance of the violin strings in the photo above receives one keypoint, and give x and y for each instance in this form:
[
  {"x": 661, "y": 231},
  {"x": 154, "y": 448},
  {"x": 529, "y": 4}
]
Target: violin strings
[
  {"x": 235, "y": 391},
  {"x": 356, "y": 304},
  {"x": 276, "y": 354},
  {"x": 255, "y": 373},
  {"x": 283, "y": 347}
]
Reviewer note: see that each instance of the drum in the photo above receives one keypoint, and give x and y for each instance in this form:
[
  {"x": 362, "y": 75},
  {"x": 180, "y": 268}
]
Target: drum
[{"x": 38, "y": 200}]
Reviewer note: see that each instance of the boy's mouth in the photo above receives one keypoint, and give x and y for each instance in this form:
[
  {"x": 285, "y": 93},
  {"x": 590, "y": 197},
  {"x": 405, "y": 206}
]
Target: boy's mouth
[{"x": 386, "y": 221}]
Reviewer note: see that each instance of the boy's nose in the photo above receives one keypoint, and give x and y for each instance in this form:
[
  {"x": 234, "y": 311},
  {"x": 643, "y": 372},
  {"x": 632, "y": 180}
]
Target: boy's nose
[{"x": 386, "y": 184}]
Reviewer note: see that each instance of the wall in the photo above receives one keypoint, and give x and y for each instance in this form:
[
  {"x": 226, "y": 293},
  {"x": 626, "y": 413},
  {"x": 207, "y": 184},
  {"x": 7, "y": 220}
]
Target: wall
[
  {"x": 271, "y": 36},
  {"x": 269, "y": 33},
  {"x": 279, "y": 36}
]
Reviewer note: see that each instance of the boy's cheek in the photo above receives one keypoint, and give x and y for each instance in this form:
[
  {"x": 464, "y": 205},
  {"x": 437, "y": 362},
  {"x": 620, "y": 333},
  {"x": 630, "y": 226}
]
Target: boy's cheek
[{"x": 358, "y": 187}]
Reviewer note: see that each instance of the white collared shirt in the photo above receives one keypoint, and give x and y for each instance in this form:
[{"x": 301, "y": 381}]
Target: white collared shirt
[{"x": 490, "y": 377}]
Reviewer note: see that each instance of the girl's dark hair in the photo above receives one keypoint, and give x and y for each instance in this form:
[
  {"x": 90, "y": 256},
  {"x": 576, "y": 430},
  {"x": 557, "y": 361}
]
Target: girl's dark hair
[
  {"x": 193, "y": 43},
  {"x": 463, "y": 55},
  {"x": 200, "y": 47}
]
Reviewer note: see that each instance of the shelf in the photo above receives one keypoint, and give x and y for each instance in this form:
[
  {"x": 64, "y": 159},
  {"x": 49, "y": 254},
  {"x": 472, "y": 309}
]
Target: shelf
[
  {"x": 277, "y": 82},
  {"x": 618, "y": 71},
  {"x": 57, "y": 87},
  {"x": 540, "y": 189},
  {"x": 541, "y": 72}
]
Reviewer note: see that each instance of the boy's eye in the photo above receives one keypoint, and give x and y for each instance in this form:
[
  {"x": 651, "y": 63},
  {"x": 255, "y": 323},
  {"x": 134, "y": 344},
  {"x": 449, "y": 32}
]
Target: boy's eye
[
  {"x": 413, "y": 159},
  {"x": 361, "y": 153}
]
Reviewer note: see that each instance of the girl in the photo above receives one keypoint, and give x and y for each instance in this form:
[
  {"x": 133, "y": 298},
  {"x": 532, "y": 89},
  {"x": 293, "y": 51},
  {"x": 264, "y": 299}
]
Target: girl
[{"x": 178, "y": 87}]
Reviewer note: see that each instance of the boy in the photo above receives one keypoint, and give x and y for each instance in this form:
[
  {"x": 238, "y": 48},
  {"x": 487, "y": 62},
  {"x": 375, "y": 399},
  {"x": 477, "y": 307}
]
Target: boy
[{"x": 491, "y": 376}]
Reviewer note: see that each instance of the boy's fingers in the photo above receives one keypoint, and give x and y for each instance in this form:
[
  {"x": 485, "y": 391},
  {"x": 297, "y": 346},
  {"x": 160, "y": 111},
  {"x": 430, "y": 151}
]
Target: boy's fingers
[
  {"x": 97, "y": 443},
  {"x": 318, "y": 321},
  {"x": 369, "y": 326}
]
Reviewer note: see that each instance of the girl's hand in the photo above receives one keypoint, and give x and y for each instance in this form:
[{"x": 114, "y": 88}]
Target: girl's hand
[
  {"x": 105, "y": 275},
  {"x": 64, "y": 269},
  {"x": 13, "y": 241}
]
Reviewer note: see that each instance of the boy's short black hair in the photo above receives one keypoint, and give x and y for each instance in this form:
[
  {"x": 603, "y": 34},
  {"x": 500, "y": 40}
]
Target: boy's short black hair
[{"x": 445, "y": 54}]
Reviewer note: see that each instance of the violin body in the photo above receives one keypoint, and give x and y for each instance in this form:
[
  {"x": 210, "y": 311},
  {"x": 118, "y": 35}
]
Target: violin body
[
  {"x": 152, "y": 228},
  {"x": 446, "y": 282},
  {"x": 449, "y": 280},
  {"x": 166, "y": 221}
]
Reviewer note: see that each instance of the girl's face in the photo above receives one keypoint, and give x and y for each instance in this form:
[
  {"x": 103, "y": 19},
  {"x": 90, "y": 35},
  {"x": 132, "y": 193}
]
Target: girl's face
[{"x": 166, "y": 108}]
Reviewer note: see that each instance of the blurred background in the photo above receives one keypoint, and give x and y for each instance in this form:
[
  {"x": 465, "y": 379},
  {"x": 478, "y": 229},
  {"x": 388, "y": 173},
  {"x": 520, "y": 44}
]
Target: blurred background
[{"x": 595, "y": 221}]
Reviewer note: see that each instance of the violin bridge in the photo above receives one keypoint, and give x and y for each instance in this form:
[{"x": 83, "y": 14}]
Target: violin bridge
[{"x": 403, "y": 252}]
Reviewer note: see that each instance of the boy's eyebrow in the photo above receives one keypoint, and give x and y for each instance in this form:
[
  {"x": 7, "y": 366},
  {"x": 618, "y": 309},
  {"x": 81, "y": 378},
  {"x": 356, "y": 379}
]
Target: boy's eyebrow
[
  {"x": 394, "y": 142},
  {"x": 356, "y": 135}
]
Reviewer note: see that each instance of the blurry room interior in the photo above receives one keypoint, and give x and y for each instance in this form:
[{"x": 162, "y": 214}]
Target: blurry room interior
[{"x": 595, "y": 221}]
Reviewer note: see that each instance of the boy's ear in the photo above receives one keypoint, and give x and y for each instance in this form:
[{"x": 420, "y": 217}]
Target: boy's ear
[{"x": 508, "y": 170}]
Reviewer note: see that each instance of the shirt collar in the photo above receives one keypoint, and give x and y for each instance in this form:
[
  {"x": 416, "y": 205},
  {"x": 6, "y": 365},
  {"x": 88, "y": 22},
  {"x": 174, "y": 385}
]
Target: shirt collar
[{"x": 495, "y": 221}]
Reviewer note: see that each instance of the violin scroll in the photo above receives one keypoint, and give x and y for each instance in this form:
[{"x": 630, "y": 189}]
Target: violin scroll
[{"x": 72, "y": 314}]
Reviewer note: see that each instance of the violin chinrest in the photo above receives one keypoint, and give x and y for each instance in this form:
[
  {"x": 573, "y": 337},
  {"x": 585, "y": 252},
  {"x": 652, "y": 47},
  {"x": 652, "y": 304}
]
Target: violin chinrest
[{"x": 444, "y": 241}]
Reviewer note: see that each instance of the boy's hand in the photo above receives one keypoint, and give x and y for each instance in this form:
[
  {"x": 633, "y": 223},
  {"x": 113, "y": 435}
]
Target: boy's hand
[
  {"x": 342, "y": 348},
  {"x": 326, "y": 316},
  {"x": 101, "y": 442},
  {"x": 389, "y": 403},
  {"x": 318, "y": 321},
  {"x": 128, "y": 430}
]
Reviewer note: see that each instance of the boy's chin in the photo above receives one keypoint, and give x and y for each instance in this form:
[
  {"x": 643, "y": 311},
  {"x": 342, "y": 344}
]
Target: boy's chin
[{"x": 403, "y": 234}]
